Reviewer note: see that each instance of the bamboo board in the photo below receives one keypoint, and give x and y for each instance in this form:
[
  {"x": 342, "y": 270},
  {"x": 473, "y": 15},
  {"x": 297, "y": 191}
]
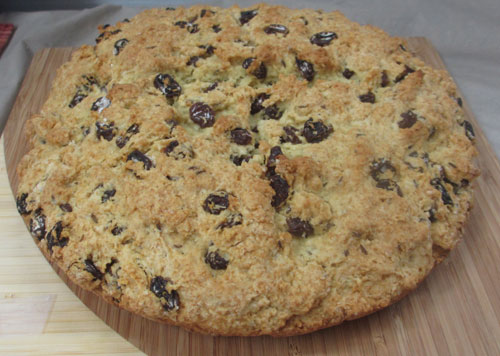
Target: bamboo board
[{"x": 456, "y": 311}]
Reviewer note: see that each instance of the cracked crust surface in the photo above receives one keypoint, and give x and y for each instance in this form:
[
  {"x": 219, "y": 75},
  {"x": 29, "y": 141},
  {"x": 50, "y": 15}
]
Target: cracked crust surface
[{"x": 248, "y": 171}]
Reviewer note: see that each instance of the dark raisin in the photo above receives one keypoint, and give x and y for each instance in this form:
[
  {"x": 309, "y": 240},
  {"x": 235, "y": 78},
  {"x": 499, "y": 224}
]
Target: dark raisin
[
  {"x": 109, "y": 265},
  {"x": 170, "y": 147},
  {"x": 459, "y": 102},
  {"x": 299, "y": 228},
  {"x": 202, "y": 114},
  {"x": 133, "y": 129},
  {"x": 105, "y": 130},
  {"x": 138, "y": 156},
  {"x": 117, "y": 230},
  {"x": 367, "y": 98},
  {"x": 22, "y": 204},
  {"x": 79, "y": 96},
  {"x": 170, "y": 301},
  {"x": 271, "y": 161},
  {"x": 170, "y": 8},
  {"x": 246, "y": 16},
  {"x": 181, "y": 24},
  {"x": 464, "y": 183},
  {"x": 276, "y": 28},
  {"x": 100, "y": 37},
  {"x": 323, "y": 38},
  {"x": 402, "y": 47},
  {"x": 197, "y": 170},
  {"x": 105, "y": 26},
  {"x": 173, "y": 149},
  {"x": 108, "y": 194},
  {"x": 445, "y": 178},
  {"x": 290, "y": 135},
  {"x": 306, "y": 69},
  {"x": 381, "y": 171},
  {"x": 192, "y": 27},
  {"x": 257, "y": 103},
  {"x": 210, "y": 50},
  {"x": 211, "y": 87},
  {"x": 304, "y": 20},
  {"x": 100, "y": 104},
  {"x": 241, "y": 136},
  {"x": 432, "y": 214},
  {"x": 216, "y": 202},
  {"x": 167, "y": 85},
  {"x": 347, "y": 73},
  {"x": 281, "y": 188},
  {"x": 380, "y": 167},
  {"x": 316, "y": 131},
  {"x": 409, "y": 119},
  {"x": 247, "y": 62},
  {"x": 158, "y": 285},
  {"x": 232, "y": 220},
  {"x": 37, "y": 225},
  {"x": 92, "y": 269},
  {"x": 171, "y": 124},
  {"x": 66, "y": 207},
  {"x": 238, "y": 160},
  {"x": 215, "y": 260},
  {"x": 216, "y": 28},
  {"x": 272, "y": 112},
  {"x": 384, "y": 81},
  {"x": 403, "y": 74},
  {"x": 119, "y": 45},
  {"x": 54, "y": 237},
  {"x": 389, "y": 184},
  {"x": 445, "y": 196},
  {"x": 203, "y": 12},
  {"x": 192, "y": 61},
  {"x": 469, "y": 130},
  {"x": 121, "y": 141},
  {"x": 260, "y": 72},
  {"x": 125, "y": 20},
  {"x": 273, "y": 153},
  {"x": 85, "y": 130}
]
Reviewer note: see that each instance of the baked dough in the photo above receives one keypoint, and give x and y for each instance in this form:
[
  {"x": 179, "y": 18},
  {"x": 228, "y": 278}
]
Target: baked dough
[{"x": 248, "y": 171}]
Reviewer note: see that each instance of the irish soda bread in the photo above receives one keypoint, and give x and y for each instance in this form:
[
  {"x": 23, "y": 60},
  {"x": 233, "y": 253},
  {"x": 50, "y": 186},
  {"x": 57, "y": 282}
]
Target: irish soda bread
[{"x": 247, "y": 171}]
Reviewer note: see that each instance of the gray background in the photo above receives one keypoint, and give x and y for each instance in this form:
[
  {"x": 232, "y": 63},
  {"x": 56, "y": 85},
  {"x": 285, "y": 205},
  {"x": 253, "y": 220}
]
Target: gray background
[{"x": 466, "y": 33}]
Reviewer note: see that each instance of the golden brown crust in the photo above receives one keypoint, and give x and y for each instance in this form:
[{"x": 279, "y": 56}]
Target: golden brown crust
[{"x": 247, "y": 173}]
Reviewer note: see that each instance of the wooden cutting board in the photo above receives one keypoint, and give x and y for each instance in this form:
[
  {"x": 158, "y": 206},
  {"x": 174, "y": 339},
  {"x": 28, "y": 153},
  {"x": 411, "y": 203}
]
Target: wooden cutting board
[{"x": 456, "y": 311}]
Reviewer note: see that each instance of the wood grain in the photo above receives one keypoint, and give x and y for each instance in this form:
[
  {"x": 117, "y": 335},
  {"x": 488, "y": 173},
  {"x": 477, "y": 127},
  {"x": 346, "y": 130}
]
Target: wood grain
[{"x": 456, "y": 310}]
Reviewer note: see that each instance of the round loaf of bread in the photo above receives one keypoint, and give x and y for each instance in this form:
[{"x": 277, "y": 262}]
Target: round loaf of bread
[{"x": 248, "y": 171}]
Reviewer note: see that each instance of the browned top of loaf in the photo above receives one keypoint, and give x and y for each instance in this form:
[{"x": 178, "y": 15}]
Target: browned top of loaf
[{"x": 248, "y": 171}]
